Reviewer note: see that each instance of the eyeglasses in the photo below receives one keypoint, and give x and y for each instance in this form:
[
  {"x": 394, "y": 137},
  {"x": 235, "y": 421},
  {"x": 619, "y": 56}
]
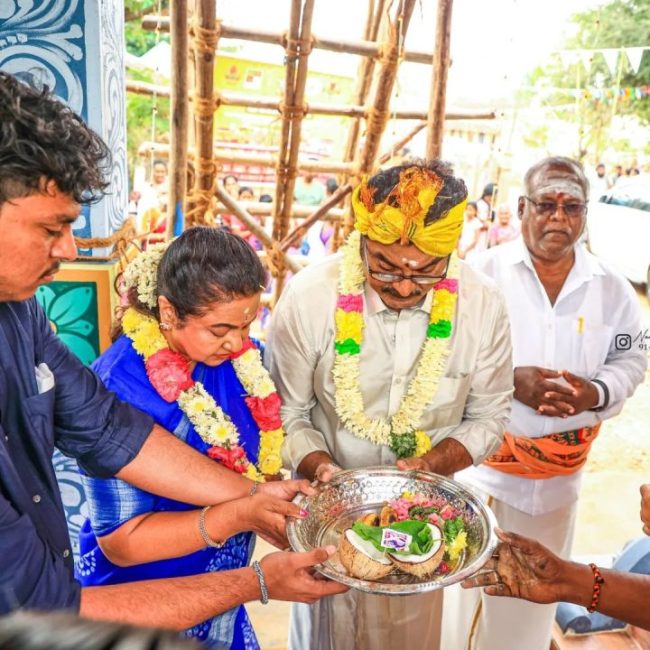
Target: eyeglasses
[
  {"x": 397, "y": 277},
  {"x": 547, "y": 208}
]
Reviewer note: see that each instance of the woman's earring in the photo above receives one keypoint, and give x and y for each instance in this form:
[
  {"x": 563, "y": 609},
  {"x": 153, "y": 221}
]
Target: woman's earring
[{"x": 165, "y": 326}]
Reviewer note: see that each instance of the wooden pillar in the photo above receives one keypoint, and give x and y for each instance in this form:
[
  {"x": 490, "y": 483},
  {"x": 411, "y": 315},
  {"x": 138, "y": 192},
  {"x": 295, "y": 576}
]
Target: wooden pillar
[
  {"x": 179, "y": 115},
  {"x": 293, "y": 113},
  {"x": 379, "y": 112},
  {"x": 441, "y": 56},
  {"x": 204, "y": 43}
]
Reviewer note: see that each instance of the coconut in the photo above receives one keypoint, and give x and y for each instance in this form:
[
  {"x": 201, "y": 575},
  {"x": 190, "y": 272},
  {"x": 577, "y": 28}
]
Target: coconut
[
  {"x": 422, "y": 565},
  {"x": 361, "y": 559}
]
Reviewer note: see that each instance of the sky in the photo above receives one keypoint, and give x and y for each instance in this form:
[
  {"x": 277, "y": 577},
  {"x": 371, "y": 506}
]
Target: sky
[{"x": 494, "y": 43}]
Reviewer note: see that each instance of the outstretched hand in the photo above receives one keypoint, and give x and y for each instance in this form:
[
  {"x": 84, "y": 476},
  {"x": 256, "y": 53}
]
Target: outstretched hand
[
  {"x": 291, "y": 576},
  {"x": 286, "y": 490},
  {"x": 267, "y": 516},
  {"x": 645, "y": 508},
  {"x": 520, "y": 568}
]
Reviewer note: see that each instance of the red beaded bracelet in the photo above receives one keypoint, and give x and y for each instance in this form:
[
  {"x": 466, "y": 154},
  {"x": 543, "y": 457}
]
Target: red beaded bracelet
[{"x": 599, "y": 581}]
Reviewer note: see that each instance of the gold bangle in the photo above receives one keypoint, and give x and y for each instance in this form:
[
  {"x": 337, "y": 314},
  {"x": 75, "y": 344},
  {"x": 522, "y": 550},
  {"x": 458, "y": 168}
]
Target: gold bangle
[{"x": 207, "y": 540}]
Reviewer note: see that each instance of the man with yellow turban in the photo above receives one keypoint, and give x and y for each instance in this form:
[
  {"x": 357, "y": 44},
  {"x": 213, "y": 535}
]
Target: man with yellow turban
[{"x": 390, "y": 352}]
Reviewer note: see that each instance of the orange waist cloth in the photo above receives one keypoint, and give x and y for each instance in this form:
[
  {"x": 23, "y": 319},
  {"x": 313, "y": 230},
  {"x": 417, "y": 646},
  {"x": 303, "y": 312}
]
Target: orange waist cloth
[{"x": 558, "y": 454}]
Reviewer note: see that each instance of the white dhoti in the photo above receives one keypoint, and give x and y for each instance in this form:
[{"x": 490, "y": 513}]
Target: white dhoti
[
  {"x": 473, "y": 620},
  {"x": 360, "y": 621}
]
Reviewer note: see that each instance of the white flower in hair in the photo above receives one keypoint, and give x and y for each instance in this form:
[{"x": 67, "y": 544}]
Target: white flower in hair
[{"x": 142, "y": 272}]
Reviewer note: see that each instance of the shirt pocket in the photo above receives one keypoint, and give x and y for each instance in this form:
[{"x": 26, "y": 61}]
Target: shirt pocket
[
  {"x": 595, "y": 347},
  {"x": 38, "y": 413},
  {"x": 448, "y": 405}
]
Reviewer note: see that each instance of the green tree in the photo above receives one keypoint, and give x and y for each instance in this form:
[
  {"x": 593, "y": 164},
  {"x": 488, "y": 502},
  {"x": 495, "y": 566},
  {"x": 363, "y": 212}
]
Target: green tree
[
  {"x": 139, "y": 41},
  {"x": 143, "y": 112},
  {"x": 622, "y": 23},
  {"x": 618, "y": 24}
]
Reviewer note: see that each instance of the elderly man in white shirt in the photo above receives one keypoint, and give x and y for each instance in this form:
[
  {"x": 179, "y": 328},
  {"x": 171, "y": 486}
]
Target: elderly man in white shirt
[
  {"x": 348, "y": 337},
  {"x": 570, "y": 317}
]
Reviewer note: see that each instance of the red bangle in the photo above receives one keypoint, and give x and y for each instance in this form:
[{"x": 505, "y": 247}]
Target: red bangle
[{"x": 599, "y": 581}]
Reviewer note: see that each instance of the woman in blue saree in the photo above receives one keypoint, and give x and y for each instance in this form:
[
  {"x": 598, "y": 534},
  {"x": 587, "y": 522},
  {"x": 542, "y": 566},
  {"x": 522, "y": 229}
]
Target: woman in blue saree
[{"x": 204, "y": 297}]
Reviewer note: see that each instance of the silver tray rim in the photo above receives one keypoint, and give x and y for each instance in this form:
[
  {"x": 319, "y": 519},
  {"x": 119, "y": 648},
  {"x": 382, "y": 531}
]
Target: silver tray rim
[{"x": 394, "y": 589}]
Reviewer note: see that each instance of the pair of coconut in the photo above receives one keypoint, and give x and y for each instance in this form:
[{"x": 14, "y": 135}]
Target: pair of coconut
[{"x": 363, "y": 560}]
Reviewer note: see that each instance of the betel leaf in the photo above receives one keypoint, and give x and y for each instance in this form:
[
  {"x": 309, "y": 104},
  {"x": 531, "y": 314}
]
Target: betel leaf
[
  {"x": 403, "y": 445},
  {"x": 421, "y": 542},
  {"x": 452, "y": 528}
]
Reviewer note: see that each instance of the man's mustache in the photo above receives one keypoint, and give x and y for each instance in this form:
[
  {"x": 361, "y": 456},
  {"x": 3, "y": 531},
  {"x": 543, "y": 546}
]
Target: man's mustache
[
  {"x": 54, "y": 269},
  {"x": 392, "y": 292}
]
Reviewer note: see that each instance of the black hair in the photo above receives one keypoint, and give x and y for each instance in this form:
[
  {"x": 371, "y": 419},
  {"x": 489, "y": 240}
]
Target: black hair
[
  {"x": 204, "y": 266},
  {"x": 41, "y": 138},
  {"x": 64, "y": 631},
  {"x": 331, "y": 185},
  {"x": 488, "y": 190},
  {"x": 571, "y": 165},
  {"x": 245, "y": 188},
  {"x": 226, "y": 177},
  {"x": 451, "y": 194},
  {"x": 266, "y": 198},
  {"x": 158, "y": 161},
  {"x": 472, "y": 204}
]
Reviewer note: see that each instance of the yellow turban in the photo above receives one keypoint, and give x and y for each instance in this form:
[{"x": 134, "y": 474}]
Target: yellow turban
[{"x": 401, "y": 215}]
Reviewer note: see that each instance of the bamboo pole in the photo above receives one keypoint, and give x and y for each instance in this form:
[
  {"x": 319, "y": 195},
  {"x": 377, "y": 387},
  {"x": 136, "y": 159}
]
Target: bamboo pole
[
  {"x": 364, "y": 81},
  {"x": 386, "y": 156},
  {"x": 379, "y": 112},
  {"x": 270, "y": 103},
  {"x": 366, "y": 68},
  {"x": 440, "y": 69},
  {"x": 204, "y": 39},
  {"x": 297, "y": 211},
  {"x": 362, "y": 48},
  {"x": 341, "y": 193},
  {"x": 179, "y": 116},
  {"x": 161, "y": 150},
  {"x": 291, "y": 61},
  {"x": 295, "y": 115},
  {"x": 249, "y": 221}
]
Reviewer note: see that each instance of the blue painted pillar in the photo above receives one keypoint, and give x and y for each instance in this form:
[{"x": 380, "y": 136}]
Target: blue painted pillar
[{"x": 76, "y": 47}]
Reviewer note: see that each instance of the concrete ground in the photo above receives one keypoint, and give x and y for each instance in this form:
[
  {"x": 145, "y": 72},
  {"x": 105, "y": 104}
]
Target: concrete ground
[{"x": 608, "y": 514}]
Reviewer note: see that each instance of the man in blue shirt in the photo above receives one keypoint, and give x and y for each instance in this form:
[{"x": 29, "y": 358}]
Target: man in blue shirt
[{"x": 50, "y": 163}]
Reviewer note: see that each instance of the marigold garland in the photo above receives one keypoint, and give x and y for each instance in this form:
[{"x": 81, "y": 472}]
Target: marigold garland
[
  {"x": 402, "y": 431},
  {"x": 170, "y": 375}
]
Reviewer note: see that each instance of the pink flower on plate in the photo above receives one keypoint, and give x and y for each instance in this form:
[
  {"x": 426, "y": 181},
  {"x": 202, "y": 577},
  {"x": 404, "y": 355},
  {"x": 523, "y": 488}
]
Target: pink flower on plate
[
  {"x": 350, "y": 302},
  {"x": 169, "y": 373},
  {"x": 447, "y": 513}
]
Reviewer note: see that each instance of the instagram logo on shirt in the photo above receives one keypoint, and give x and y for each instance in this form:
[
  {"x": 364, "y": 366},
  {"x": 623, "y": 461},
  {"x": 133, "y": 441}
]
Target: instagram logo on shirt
[{"x": 623, "y": 342}]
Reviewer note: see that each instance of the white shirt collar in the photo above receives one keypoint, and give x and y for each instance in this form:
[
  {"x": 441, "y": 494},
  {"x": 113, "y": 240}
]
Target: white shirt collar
[{"x": 585, "y": 266}]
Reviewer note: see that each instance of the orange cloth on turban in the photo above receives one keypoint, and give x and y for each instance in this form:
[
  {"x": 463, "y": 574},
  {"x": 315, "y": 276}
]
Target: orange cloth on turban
[{"x": 415, "y": 193}]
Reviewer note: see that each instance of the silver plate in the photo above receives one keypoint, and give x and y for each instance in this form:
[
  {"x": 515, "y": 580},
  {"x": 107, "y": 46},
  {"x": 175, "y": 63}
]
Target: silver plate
[{"x": 352, "y": 493}]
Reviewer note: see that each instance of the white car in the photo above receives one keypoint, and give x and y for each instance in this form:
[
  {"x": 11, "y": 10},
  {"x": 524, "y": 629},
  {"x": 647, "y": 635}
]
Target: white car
[{"x": 619, "y": 228}]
